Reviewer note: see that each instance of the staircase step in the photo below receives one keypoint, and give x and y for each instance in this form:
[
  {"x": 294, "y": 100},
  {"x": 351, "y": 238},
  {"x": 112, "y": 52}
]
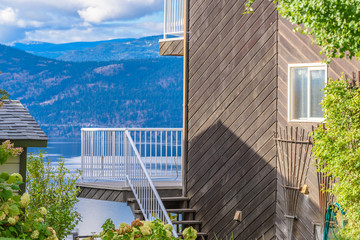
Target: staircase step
[
  {"x": 166, "y": 199},
  {"x": 187, "y": 222},
  {"x": 175, "y": 199},
  {"x": 181, "y": 210}
]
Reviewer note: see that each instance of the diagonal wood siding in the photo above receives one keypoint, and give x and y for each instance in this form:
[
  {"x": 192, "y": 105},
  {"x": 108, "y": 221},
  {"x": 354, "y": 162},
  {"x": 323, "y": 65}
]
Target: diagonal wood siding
[
  {"x": 171, "y": 47},
  {"x": 232, "y": 117},
  {"x": 298, "y": 48},
  {"x": 237, "y": 99}
]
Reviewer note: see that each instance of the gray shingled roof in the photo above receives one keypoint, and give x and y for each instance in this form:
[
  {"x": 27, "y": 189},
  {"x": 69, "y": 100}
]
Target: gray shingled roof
[{"x": 16, "y": 123}]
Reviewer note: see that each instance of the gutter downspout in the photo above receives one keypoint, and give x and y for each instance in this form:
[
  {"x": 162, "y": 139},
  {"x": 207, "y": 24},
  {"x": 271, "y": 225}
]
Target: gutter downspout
[{"x": 185, "y": 98}]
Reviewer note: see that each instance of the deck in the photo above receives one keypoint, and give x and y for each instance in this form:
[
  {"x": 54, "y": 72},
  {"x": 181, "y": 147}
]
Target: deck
[{"x": 119, "y": 192}]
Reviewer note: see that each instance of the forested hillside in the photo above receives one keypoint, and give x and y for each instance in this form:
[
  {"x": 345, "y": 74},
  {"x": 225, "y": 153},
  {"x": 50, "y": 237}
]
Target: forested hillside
[{"x": 65, "y": 96}]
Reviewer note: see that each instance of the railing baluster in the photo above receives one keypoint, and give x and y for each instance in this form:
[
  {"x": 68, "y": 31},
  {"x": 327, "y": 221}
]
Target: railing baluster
[{"x": 151, "y": 172}]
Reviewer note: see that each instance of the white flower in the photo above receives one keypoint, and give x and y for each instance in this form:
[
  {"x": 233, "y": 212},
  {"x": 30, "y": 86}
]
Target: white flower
[
  {"x": 43, "y": 211},
  {"x": 39, "y": 220},
  {"x": 24, "y": 200},
  {"x": 35, "y": 234},
  {"x": 12, "y": 221},
  {"x": 2, "y": 216}
]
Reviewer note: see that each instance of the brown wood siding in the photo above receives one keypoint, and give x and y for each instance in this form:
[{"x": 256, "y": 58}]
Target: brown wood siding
[
  {"x": 171, "y": 47},
  {"x": 298, "y": 48},
  {"x": 232, "y": 117}
]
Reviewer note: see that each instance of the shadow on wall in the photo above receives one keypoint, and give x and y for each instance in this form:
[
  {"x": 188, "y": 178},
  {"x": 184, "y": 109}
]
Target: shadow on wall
[{"x": 231, "y": 170}]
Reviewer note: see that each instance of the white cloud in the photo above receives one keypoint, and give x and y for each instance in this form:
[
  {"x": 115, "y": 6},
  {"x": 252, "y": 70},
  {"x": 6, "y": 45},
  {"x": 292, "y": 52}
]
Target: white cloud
[
  {"x": 73, "y": 20},
  {"x": 7, "y": 15},
  {"x": 98, "y": 11}
]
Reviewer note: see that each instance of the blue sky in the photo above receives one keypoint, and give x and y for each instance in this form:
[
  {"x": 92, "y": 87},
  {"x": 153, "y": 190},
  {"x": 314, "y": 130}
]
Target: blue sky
[{"x": 59, "y": 21}]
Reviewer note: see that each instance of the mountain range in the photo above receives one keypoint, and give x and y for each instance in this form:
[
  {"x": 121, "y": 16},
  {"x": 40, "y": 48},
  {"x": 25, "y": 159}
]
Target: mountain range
[
  {"x": 116, "y": 49},
  {"x": 128, "y": 85}
]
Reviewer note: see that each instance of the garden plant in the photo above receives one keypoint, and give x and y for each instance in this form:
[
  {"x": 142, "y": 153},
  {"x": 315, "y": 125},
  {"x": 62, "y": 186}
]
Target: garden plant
[
  {"x": 54, "y": 188},
  {"x": 337, "y": 146},
  {"x": 143, "y": 230},
  {"x": 333, "y": 25},
  {"x": 17, "y": 220}
]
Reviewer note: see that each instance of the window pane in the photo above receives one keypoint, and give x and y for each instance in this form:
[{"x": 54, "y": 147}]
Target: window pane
[
  {"x": 317, "y": 81},
  {"x": 299, "y": 93}
]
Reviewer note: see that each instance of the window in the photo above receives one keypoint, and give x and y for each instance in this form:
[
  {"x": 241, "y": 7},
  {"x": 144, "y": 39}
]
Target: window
[{"x": 305, "y": 92}]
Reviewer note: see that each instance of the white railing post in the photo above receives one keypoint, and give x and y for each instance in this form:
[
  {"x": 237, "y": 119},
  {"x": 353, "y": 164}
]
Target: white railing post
[
  {"x": 82, "y": 153},
  {"x": 126, "y": 162},
  {"x": 113, "y": 152},
  {"x": 165, "y": 18},
  {"x": 92, "y": 155}
]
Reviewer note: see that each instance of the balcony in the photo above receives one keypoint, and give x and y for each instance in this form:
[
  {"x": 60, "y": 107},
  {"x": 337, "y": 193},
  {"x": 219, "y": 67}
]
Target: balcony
[
  {"x": 173, "y": 41},
  {"x": 138, "y": 166},
  {"x": 104, "y": 153}
]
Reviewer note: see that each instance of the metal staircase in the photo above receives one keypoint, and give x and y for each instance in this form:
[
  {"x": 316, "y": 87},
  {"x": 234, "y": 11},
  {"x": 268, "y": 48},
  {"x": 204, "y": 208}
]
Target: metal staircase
[{"x": 181, "y": 215}]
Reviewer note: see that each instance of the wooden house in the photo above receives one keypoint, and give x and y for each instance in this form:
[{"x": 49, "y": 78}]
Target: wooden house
[
  {"x": 18, "y": 126},
  {"x": 245, "y": 77}
]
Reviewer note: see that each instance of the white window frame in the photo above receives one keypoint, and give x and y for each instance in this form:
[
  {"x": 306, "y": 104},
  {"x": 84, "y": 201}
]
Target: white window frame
[{"x": 310, "y": 66}]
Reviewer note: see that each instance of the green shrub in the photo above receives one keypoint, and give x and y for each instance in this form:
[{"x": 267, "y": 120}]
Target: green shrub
[
  {"x": 17, "y": 220},
  {"x": 55, "y": 189},
  {"x": 337, "y": 146},
  {"x": 142, "y": 230}
]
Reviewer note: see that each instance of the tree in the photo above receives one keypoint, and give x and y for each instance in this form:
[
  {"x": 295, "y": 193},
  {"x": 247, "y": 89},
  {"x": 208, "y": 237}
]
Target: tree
[
  {"x": 53, "y": 188},
  {"x": 3, "y": 95},
  {"x": 334, "y": 25},
  {"x": 337, "y": 146}
]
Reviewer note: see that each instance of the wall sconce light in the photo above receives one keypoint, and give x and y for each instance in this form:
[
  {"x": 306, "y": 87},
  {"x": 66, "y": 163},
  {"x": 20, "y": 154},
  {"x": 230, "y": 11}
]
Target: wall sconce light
[
  {"x": 238, "y": 216},
  {"x": 305, "y": 189}
]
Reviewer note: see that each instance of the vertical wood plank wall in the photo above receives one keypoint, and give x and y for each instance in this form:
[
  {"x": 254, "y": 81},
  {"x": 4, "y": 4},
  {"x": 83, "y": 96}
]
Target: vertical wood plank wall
[
  {"x": 297, "y": 48},
  {"x": 232, "y": 117}
]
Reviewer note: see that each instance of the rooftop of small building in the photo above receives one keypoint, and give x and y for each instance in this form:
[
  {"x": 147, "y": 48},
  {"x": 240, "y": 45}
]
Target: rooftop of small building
[{"x": 17, "y": 125}]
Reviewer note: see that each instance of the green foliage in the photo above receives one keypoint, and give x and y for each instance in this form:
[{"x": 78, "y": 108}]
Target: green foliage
[
  {"x": 333, "y": 24},
  {"x": 7, "y": 150},
  {"x": 143, "y": 230},
  {"x": 54, "y": 188},
  {"x": 4, "y": 94},
  {"x": 337, "y": 146},
  {"x": 17, "y": 220}
]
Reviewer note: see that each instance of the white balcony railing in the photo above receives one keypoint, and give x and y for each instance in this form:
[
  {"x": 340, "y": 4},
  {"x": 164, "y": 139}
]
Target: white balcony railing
[
  {"x": 103, "y": 152},
  {"x": 173, "y": 18},
  {"x": 135, "y": 156}
]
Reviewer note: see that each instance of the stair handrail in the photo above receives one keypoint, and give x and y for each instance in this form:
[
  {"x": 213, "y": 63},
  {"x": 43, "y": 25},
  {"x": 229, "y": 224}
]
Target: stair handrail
[{"x": 142, "y": 186}]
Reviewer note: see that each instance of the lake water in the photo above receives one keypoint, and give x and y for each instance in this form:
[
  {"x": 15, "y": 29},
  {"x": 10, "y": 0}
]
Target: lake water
[{"x": 93, "y": 212}]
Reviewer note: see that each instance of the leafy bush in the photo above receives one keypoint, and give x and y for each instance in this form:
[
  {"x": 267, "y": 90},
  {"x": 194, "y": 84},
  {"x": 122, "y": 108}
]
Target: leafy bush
[
  {"x": 337, "y": 146},
  {"x": 16, "y": 219},
  {"x": 3, "y": 95},
  {"x": 142, "y": 230},
  {"x": 7, "y": 151},
  {"x": 333, "y": 25},
  {"x": 53, "y": 188}
]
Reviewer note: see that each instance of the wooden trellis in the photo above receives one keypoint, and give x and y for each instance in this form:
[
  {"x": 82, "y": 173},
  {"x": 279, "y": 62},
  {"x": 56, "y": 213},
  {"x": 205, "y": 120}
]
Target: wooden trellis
[
  {"x": 353, "y": 82},
  {"x": 294, "y": 150},
  {"x": 325, "y": 183}
]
